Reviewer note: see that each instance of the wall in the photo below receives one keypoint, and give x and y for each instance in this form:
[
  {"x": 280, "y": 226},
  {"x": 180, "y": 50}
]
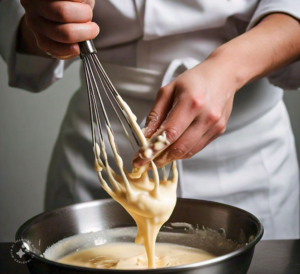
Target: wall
[{"x": 29, "y": 125}]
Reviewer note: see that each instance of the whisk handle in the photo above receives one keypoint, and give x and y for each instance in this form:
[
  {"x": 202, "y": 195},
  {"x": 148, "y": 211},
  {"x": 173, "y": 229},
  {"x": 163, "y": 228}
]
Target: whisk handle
[{"x": 86, "y": 48}]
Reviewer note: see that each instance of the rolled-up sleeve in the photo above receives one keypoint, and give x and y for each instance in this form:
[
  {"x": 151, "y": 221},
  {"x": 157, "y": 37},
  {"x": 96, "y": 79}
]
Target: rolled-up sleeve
[
  {"x": 29, "y": 72},
  {"x": 289, "y": 77}
]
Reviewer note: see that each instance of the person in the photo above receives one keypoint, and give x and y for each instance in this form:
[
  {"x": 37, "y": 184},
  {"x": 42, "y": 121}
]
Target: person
[{"x": 197, "y": 70}]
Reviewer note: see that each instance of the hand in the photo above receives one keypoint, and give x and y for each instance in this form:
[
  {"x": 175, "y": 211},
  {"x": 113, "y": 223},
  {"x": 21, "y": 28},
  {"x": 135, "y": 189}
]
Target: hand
[
  {"x": 190, "y": 112},
  {"x": 59, "y": 25},
  {"x": 194, "y": 109}
]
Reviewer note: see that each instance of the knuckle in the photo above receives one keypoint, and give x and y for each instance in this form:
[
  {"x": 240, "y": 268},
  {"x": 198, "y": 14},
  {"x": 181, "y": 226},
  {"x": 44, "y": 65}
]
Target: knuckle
[
  {"x": 152, "y": 116},
  {"x": 214, "y": 116},
  {"x": 188, "y": 155},
  {"x": 220, "y": 127},
  {"x": 222, "y": 130},
  {"x": 171, "y": 134},
  {"x": 162, "y": 91},
  {"x": 197, "y": 103},
  {"x": 68, "y": 34},
  {"x": 62, "y": 12},
  {"x": 178, "y": 152},
  {"x": 73, "y": 48}
]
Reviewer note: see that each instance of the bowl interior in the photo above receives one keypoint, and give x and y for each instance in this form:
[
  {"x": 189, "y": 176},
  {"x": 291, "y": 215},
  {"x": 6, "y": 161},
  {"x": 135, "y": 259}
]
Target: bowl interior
[{"x": 213, "y": 227}]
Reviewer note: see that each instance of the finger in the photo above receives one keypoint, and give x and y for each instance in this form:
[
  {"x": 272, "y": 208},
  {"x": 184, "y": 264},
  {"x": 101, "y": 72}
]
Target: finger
[
  {"x": 55, "y": 49},
  {"x": 214, "y": 132},
  {"x": 200, "y": 146},
  {"x": 160, "y": 109},
  {"x": 207, "y": 138},
  {"x": 185, "y": 148},
  {"x": 178, "y": 120},
  {"x": 61, "y": 11},
  {"x": 63, "y": 33},
  {"x": 183, "y": 145}
]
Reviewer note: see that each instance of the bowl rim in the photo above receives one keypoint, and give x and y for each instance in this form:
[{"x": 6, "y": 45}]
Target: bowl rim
[{"x": 35, "y": 219}]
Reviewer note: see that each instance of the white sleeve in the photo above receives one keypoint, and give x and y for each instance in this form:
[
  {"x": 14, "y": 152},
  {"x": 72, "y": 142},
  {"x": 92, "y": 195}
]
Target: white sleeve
[
  {"x": 28, "y": 72},
  {"x": 289, "y": 77}
]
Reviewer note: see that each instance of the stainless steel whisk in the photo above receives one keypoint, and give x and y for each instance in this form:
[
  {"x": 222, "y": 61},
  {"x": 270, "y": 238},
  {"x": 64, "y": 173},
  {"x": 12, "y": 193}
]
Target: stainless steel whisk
[{"x": 92, "y": 66}]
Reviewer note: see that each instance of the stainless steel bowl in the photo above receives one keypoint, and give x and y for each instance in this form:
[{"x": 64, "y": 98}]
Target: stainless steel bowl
[{"x": 244, "y": 229}]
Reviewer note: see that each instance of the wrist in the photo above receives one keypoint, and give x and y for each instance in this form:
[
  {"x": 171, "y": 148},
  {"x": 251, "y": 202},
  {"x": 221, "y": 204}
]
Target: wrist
[
  {"x": 232, "y": 66},
  {"x": 225, "y": 69}
]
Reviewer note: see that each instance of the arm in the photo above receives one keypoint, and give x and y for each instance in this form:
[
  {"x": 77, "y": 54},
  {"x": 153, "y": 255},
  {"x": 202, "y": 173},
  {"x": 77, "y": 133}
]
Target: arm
[
  {"x": 273, "y": 44},
  {"x": 194, "y": 109}
]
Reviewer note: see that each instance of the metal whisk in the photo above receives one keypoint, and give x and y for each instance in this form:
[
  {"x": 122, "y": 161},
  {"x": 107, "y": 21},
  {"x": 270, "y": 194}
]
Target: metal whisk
[{"x": 92, "y": 66}]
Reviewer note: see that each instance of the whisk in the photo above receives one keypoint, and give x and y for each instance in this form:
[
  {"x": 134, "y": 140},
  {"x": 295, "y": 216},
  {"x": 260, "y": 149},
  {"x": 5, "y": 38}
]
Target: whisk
[
  {"x": 94, "y": 71},
  {"x": 92, "y": 66}
]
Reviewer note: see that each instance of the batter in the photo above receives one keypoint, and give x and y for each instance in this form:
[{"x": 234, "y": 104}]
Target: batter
[
  {"x": 149, "y": 201},
  {"x": 131, "y": 256}
]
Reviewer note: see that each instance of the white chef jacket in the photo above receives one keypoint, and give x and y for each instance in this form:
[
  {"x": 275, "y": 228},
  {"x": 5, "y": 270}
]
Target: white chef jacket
[{"x": 144, "y": 43}]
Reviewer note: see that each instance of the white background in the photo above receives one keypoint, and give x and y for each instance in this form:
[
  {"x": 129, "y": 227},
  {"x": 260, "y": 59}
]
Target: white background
[{"x": 29, "y": 124}]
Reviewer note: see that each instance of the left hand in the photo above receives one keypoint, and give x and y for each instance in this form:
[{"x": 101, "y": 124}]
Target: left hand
[{"x": 192, "y": 110}]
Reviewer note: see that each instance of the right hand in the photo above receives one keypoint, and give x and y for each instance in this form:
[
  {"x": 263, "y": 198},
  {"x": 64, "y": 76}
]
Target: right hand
[{"x": 58, "y": 25}]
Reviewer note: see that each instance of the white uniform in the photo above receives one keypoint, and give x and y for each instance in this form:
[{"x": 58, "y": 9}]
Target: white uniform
[{"x": 146, "y": 43}]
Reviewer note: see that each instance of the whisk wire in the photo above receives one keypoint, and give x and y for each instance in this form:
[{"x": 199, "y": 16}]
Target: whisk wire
[
  {"x": 89, "y": 92},
  {"x": 102, "y": 79},
  {"x": 102, "y": 74}
]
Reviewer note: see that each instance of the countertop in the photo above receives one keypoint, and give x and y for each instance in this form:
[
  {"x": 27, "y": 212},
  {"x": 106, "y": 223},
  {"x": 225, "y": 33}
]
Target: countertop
[{"x": 270, "y": 257}]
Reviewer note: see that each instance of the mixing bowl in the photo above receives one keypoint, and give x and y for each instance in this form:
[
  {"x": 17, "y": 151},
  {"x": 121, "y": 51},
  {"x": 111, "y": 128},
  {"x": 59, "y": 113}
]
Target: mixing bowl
[{"x": 223, "y": 230}]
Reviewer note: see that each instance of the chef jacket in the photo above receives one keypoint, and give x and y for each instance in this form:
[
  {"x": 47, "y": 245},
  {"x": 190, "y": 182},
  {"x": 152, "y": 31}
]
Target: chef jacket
[{"x": 144, "y": 44}]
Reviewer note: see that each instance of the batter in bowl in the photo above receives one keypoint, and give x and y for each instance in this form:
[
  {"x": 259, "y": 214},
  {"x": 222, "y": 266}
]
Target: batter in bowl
[{"x": 132, "y": 256}]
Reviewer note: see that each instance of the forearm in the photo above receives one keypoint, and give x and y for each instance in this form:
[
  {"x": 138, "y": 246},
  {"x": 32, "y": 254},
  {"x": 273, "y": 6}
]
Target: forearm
[
  {"x": 271, "y": 45},
  {"x": 26, "y": 42}
]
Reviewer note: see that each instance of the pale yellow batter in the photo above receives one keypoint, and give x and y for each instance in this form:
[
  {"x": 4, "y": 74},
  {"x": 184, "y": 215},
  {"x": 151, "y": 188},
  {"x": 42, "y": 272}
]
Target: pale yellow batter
[
  {"x": 132, "y": 256},
  {"x": 149, "y": 201}
]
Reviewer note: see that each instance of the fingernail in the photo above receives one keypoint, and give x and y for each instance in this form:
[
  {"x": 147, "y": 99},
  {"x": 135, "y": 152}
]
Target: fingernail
[
  {"x": 98, "y": 31},
  {"x": 148, "y": 132},
  {"x": 136, "y": 163},
  {"x": 135, "y": 157}
]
